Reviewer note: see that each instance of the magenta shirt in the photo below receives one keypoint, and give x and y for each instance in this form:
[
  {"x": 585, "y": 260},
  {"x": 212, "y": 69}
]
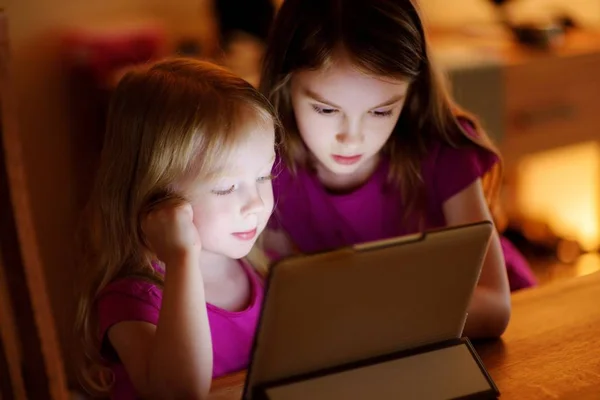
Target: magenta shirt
[
  {"x": 317, "y": 220},
  {"x": 138, "y": 300}
]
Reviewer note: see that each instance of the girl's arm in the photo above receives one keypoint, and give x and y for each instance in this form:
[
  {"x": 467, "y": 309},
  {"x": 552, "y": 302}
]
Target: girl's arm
[
  {"x": 489, "y": 310},
  {"x": 174, "y": 359}
]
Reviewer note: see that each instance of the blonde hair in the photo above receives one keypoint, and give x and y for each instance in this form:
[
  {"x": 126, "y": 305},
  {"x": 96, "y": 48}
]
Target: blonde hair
[
  {"x": 381, "y": 38},
  {"x": 170, "y": 122}
]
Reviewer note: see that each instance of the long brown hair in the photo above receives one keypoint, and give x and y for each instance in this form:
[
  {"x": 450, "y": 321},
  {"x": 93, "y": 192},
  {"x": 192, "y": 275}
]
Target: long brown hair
[
  {"x": 169, "y": 124},
  {"x": 382, "y": 38}
]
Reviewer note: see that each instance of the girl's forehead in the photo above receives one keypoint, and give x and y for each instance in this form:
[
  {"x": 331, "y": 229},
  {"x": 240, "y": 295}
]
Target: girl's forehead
[
  {"x": 342, "y": 70},
  {"x": 339, "y": 84},
  {"x": 255, "y": 150}
]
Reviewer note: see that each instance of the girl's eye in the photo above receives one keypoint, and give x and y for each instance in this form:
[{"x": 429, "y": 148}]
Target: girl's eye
[
  {"x": 265, "y": 178},
  {"x": 224, "y": 192},
  {"x": 323, "y": 110},
  {"x": 382, "y": 113}
]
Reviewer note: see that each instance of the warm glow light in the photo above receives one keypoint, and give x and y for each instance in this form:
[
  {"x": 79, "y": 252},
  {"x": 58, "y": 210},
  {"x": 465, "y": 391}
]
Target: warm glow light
[
  {"x": 561, "y": 187},
  {"x": 587, "y": 264}
]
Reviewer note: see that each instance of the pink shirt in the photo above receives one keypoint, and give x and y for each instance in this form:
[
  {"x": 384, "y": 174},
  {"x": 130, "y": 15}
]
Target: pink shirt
[
  {"x": 317, "y": 220},
  {"x": 137, "y": 300}
]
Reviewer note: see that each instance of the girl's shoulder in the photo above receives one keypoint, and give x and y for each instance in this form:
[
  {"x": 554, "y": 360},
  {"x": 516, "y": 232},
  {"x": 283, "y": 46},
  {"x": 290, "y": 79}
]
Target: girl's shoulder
[
  {"x": 135, "y": 285},
  {"x": 127, "y": 299},
  {"x": 450, "y": 168},
  {"x": 131, "y": 286}
]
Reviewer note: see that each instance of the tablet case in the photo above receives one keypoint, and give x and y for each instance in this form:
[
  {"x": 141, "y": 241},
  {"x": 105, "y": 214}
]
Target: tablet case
[{"x": 377, "y": 315}]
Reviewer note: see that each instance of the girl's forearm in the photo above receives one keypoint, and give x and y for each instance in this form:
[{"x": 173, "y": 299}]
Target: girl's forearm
[
  {"x": 181, "y": 363},
  {"x": 489, "y": 313}
]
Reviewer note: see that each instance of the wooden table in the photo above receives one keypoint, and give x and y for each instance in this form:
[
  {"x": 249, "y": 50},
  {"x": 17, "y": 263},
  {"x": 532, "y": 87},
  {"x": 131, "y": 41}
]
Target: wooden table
[{"x": 551, "y": 349}]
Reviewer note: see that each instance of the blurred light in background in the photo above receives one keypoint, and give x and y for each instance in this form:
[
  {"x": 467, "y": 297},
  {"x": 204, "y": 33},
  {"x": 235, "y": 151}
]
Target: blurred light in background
[{"x": 561, "y": 187}]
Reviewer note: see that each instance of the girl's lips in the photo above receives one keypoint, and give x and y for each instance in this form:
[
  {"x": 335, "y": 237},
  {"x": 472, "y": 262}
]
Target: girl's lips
[
  {"x": 248, "y": 235},
  {"x": 346, "y": 160}
]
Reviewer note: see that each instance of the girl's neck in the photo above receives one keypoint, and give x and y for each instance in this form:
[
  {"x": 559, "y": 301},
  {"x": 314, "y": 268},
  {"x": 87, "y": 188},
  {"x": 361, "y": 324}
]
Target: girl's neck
[
  {"x": 214, "y": 266},
  {"x": 337, "y": 183}
]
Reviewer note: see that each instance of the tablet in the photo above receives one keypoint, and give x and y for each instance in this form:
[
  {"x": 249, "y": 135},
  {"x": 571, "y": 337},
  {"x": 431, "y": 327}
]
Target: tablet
[{"x": 361, "y": 302}]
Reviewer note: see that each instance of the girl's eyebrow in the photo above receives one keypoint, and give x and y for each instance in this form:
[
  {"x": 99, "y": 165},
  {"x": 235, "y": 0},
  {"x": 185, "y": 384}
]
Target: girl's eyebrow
[
  {"x": 392, "y": 100},
  {"x": 317, "y": 97}
]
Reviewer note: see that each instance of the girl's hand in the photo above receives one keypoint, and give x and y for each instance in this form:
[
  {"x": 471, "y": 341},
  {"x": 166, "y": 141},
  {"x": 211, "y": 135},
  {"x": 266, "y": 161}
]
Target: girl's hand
[{"x": 171, "y": 234}]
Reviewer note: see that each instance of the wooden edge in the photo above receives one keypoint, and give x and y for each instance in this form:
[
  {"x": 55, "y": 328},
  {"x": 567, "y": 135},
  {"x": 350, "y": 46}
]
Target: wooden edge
[
  {"x": 228, "y": 386},
  {"x": 33, "y": 268},
  {"x": 10, "y": 341}
]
